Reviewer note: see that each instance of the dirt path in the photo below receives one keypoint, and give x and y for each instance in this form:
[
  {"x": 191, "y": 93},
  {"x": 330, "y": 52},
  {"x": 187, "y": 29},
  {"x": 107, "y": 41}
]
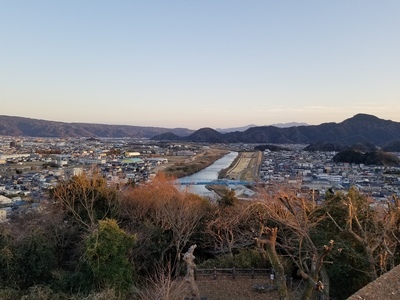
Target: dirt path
[{"x": 237, "y": 289}]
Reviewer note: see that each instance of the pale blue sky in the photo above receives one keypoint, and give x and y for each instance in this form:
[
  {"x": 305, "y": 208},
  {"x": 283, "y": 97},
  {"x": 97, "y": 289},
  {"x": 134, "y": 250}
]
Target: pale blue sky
[{"x": 199, "y": 63}]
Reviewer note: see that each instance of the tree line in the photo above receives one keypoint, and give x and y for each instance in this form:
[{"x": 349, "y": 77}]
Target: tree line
[{"x": 93, "y": 240}]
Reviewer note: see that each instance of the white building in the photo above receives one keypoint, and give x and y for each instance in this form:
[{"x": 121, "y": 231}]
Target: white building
[
  {"x": 335, "y": 178},
  {"x": 91, "y": 161},
  {"x": 14, "y": 156},
  {"x": 73, "y": 172},
  {"x": 130, "y": 154}
]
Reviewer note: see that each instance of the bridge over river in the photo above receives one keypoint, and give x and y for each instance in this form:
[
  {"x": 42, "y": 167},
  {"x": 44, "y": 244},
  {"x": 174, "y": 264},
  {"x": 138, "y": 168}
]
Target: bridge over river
[{"x": 209, "y": 176}]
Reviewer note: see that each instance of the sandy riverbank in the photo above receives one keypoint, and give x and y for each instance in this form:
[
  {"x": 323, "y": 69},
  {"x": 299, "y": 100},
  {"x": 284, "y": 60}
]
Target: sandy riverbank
[{"x": 246, "y": 166}]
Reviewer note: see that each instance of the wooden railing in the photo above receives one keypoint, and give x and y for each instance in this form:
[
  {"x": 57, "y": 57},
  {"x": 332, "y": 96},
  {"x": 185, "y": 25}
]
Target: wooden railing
[
  {"x": 232, "y": 272},
  {"x": 214, "y": 273}
]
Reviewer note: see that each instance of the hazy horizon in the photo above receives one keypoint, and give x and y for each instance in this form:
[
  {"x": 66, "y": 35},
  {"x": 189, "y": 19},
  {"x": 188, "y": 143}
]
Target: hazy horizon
[
  {"x": 218, "y": 64},
  {"x": 279, "y": 124}
]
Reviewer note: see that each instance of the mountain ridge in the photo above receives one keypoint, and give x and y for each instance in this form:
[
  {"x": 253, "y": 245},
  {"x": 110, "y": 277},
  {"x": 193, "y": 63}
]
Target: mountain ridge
[
  {"x": 21, "y": 126},
  {"x": 243, "y": 128},
  {"x": 361, "y": 128}
]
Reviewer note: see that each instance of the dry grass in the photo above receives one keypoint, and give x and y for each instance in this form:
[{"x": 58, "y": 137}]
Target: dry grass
[{"x": 246, "y": 166}]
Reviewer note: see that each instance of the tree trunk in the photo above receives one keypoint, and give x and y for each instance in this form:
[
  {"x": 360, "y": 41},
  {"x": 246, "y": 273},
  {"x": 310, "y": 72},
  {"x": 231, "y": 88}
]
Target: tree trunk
[
  {"x": 317, "y": 268},
  {"x": 280, "y": 277},
  {"x": 371, "y": 263},
  {"x": 309, "y": 290},
  {"x": 188, "y": 257}
]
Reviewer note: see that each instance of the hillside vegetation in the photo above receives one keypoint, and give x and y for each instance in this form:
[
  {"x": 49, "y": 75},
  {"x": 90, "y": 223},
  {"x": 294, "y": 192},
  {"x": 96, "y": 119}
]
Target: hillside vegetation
[
  {"x": 361, "y": 128},
  {"x": 94, "y": 241},
  {"x": 379, "y": 158},
  {"x": 19, "y": 126}
]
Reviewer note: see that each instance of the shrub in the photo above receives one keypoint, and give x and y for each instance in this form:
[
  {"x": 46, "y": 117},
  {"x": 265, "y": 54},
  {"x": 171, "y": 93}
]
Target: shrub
[
  {"x": 107, "y": 254},
  {"x": 247, "y": 258}
]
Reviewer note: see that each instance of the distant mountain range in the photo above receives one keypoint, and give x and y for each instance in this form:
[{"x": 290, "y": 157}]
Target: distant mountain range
[
  {"x": 243, "y": 128},
  {"x": 18, "y": 126},
  {"x": 361, "y": 128}
]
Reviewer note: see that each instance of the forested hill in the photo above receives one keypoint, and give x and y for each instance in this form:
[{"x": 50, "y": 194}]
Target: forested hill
[
  {"x": 361, "y": 128},
  {"x": 19, "y": 126}
]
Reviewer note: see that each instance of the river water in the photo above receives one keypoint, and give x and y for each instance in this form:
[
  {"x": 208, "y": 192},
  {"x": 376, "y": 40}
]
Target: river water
[{"x": 209, "y": 173}]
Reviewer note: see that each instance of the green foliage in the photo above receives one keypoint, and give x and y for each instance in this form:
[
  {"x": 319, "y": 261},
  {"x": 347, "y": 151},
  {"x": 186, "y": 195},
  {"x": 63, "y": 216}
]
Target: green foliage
[
  {"x": 6, "y": 255},
  {"x": 246, "y": 258},
  {"x": 368, "y": 158},
  {"x": 150, "y": 249},
  {"x": 349, "y": 270},
  {"x": 107, "y": 254},
  {"x": 228, "y": 199},
  {"x": 80, "y": 252},
  {"x": 44, "y": 292},
  {"x": 346, "y": 273},
  {"x": 39, "y": 292},
  {"x": 10, "y": 294},
  {"x": 336, "y": 206},
  {"x": 28, "y": 260},
  {"x": 273, "y": 148},
  {"x": 381, "y": 158}
]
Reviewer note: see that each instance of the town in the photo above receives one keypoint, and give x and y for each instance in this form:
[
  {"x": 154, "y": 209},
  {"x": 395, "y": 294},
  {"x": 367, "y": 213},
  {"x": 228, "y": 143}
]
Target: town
[{"x": 30, "y": 167}]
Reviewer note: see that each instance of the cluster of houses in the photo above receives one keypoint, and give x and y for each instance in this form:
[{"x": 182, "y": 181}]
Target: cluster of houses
[
  {"x": 316, "y": 171},
  {"x": 29, "y": 167}
]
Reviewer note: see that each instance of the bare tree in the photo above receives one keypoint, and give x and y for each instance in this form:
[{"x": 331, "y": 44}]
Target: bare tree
[
  {"x": 267, "y": 238},
  {"x": 182, "y": 215},
  {"x": 231, "y": 228},
  {"x": 86, "y": 199},
  {"x": 163, "y": 286},
  {"x": 160, "y": 203},
  {"x": 296, "y": 219}
]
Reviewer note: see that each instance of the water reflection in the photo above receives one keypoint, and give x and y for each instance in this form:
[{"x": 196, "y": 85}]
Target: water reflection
[{"x": 209, "y": 173}]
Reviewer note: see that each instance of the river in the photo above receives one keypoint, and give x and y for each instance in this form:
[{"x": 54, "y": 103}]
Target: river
[{"x": 209, "y": 173}]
